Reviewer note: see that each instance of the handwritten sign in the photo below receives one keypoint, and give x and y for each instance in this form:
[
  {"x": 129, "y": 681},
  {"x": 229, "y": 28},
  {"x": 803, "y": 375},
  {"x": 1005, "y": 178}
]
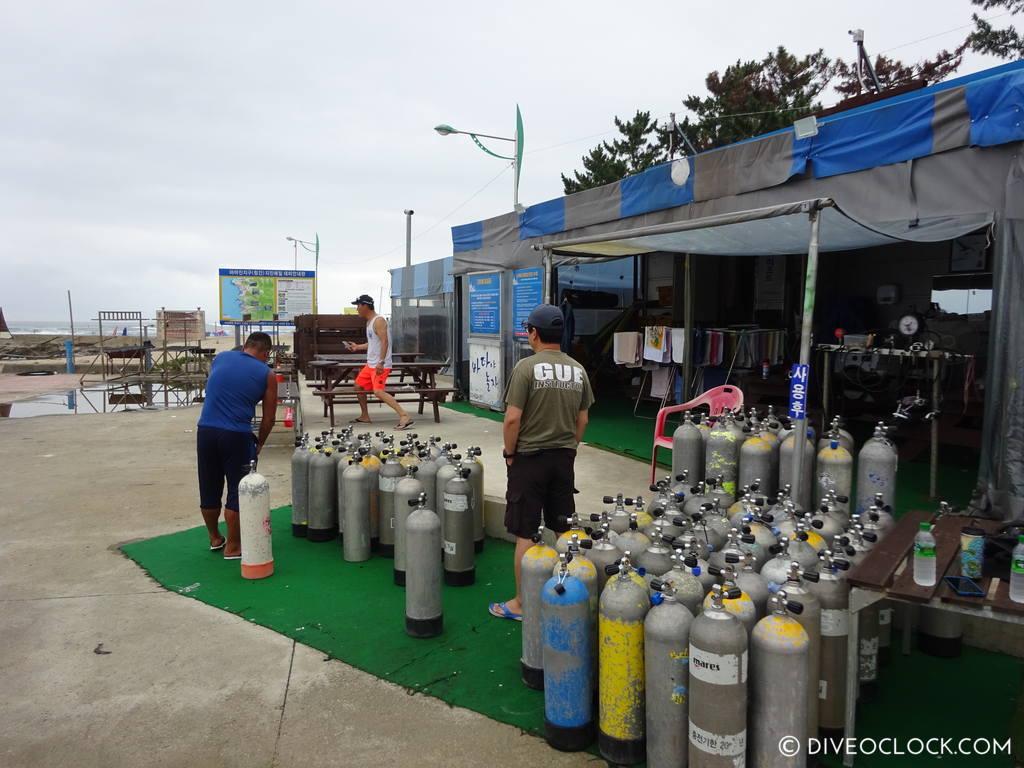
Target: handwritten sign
[
  {"x": 485, "y": 377},
  {"x": 798, "y": 378}
]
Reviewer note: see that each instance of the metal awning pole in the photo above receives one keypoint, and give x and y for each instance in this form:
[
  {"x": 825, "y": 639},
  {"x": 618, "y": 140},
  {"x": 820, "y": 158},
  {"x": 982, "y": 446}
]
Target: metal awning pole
[
  {"x": 547, "y": 276},
  {"x": 687, "y": 325},
  {"x": 810, "y": 286}
]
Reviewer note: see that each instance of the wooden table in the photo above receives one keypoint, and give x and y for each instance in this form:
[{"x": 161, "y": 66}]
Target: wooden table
[
  {"x": 876, "y": 578},
  {"x": 420, "y": 388},
  {"x": 336, "y": 373}
]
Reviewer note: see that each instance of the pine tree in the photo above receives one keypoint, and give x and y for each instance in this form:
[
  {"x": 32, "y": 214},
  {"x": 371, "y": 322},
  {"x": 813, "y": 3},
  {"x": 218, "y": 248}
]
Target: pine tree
[
  {"x": 892, "y": 73},
  {"x": 1005, "y": 43},
  {"x": 636, "y": 149}
]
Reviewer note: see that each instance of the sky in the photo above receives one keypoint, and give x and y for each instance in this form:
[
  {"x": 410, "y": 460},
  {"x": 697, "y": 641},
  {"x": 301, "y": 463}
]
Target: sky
[{"x": 144, "y": 145}]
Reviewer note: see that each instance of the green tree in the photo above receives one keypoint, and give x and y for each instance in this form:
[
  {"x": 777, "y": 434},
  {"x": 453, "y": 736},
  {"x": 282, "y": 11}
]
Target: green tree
[
  {"x": 637, "y": 148},
  {"x": 754, "y": 97},
  {"x": 892, "y": 73},
  {"x": 1005, "y": 43}
]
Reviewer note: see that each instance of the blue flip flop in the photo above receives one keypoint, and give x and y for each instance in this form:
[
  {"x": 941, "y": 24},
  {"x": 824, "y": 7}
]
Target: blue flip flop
[{"x": 502, "y": 612}]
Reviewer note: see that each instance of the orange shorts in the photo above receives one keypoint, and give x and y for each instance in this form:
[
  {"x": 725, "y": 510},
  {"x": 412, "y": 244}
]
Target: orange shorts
[{"x": 370, "y": 380}]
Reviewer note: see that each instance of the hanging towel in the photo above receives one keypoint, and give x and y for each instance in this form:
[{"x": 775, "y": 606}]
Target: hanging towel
[
  {"x": 626, "y": 349},
  {"x": 660, "y": 380},
  {"x": 679, "y": 345},
  {"x": 657, "y": 344}
]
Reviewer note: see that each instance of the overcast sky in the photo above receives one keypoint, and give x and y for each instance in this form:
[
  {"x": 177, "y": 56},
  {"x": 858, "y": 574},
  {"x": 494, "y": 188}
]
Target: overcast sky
[{"x": 144, "y": 145}]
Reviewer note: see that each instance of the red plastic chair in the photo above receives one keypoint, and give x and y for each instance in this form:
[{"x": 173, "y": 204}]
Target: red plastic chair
[{"x": 718, "y": 399}]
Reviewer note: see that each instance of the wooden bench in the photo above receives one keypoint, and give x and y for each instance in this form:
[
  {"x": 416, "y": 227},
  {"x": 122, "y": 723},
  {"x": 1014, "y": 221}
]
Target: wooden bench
[{"x": 347, "y": 395}]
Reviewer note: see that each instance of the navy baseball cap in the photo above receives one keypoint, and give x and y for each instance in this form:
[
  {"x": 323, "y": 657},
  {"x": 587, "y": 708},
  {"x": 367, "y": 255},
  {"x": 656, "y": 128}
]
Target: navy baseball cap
[
  {"x": 364, "y": 299},
  {"x": 546, "y": 318}
]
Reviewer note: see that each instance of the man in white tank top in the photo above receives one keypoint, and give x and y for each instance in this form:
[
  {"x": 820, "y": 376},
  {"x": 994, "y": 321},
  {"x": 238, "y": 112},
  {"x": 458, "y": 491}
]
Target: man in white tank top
[{"x": 374, "y": 375}]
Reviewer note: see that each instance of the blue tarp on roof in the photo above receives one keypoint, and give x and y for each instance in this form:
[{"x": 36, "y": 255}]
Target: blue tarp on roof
[{"x": 987, "y": 112}]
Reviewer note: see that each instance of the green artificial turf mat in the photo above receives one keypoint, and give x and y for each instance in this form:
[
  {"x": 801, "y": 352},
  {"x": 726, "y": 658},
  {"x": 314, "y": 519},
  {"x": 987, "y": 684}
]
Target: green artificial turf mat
[{"x": 354, "y": 612}]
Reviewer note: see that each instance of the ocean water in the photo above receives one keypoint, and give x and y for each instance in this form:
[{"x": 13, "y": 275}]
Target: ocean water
[{"x": 90, "y": 328}]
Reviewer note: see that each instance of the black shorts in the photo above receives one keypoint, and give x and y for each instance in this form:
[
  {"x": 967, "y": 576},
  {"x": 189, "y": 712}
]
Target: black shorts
[
  {"x": 540, "y": 484},
  {"x": 222, "y": 453}
]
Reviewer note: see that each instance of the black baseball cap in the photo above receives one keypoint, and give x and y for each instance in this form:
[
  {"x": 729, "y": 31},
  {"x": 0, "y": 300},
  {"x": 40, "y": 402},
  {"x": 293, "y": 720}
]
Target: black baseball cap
[
  {"x": 364, "y": 299},
  {"x": 545, "y": 318}
]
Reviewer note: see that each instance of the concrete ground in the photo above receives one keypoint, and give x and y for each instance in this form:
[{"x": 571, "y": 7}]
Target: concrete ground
[{"x": 102, "y": 667}]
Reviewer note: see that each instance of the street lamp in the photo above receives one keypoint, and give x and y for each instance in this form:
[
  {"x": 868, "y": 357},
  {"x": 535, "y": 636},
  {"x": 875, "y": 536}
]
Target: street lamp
[
  {"x": 517, "y": 152},
  {"x": 313, "y": 248}
]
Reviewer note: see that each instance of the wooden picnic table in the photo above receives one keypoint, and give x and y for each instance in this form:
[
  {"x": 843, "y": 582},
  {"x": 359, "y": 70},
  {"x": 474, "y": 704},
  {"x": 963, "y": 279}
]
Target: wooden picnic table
[
  {"x": 336, "y": 373},
  {"x": 878, "y": 577},
  {"x": 420, "y": 388}
]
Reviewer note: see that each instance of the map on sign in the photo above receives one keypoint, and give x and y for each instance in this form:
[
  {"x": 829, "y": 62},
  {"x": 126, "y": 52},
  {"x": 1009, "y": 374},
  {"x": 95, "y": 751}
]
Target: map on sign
[{"x": 257, "y": 295}]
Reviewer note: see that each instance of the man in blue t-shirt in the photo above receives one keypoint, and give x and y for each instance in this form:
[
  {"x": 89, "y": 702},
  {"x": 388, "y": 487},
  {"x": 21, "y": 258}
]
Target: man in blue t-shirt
[{"x": 225, "y": 444}]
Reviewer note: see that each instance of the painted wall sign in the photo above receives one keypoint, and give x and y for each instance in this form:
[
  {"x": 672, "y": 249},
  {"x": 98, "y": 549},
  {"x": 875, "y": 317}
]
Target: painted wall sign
[
  {"x": 485, "y": 303},
  {"x": 527, "y": 294}
]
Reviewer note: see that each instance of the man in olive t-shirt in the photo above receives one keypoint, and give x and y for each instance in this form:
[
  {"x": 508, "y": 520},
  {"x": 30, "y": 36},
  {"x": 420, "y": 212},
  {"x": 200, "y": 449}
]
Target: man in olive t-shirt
[{"x": 546, "y": 405}]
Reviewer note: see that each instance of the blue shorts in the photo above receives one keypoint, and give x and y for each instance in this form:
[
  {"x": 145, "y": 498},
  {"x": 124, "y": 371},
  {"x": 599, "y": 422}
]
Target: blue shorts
[{"x": 222, "y": 453}]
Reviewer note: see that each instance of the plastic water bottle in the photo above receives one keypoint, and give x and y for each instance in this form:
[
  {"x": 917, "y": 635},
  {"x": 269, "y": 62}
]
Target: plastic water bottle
[
  {"x": 924, "y": 556},
  {"x": 1017, "y": 572}
]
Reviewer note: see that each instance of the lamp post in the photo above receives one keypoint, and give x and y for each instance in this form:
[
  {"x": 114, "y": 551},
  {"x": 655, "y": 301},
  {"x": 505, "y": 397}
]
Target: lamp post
[
  {"x": 313, "y": 248},
  {"x": 517, "y": 151}
]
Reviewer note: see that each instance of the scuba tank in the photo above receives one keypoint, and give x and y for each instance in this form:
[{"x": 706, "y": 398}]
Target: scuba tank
[
  {"x": 372, "y": 464},
  {"x": 534, "y": 572},
  {"x": 877, "y": 464},
  {"x": 623, "y": 607},
  {"x": 776, "y": 571},
  {"x": 300, "y": 486},
  {"x": 643, "y": 519},
  {"x": 378, "y": 442},
  {"x": 575, "y": 529},
  {"x": 666, "y": 672},
  {"x": 602, "y": 554},
  {"x": 688, "y": 450},
  {"x": 756, "y": 461},
  {"x": 423, "y": 607},
  {"x": 740, "y": 606},
  {"x": 567, "y": 634},
  {"x": 765, "y": 537},
  {"x": 779, "y": 647},
  {"x": 254, "y": 525},
  {"x": 445, "y": 472},
  {"x": 322, "y": 509},
  {"x": 355, "y": 542},
  {"x": 810, "y": 619},
  {"x": 752, "y": 584},
  {"x": 657, "y": 558},
  {"x": 718, "y": 494},
  {"x": 685, "y": 582},
  {"x": 733, "y": 545},
  {"x": 834, "y": 473},
  {"x": 632, "y": 539},
  {"x": 833, "y": 593},
  {"x": 459, "y": 552},
  {"x": 426, "y": 473},
  {"x": 407, "y": 491},
  {"x": 476, "y": 479},
  {"x": 718, "y": 685},
  {"x": 722, "y": 453},
  {"x": 696, "y": 499},
  {"x": 618, "y": 518},
  {"x": 836, "y": 432},
  {"x": 387, "y": 481}
]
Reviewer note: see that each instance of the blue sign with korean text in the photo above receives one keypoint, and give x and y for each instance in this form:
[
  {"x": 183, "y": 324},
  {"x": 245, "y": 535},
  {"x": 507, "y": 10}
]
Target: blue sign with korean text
[
  {"x": 527, "y": 294},
  {"x": 485, "y": 303},
  {"x": 798, "y": 377}
]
